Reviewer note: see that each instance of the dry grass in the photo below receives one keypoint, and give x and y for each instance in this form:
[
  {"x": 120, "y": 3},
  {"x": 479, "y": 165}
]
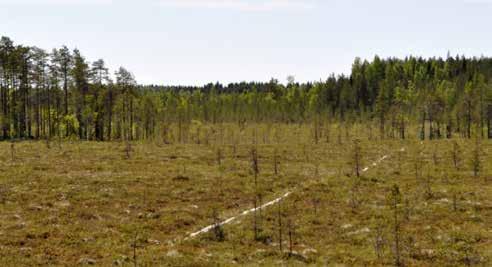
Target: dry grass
[{"x": 84, "y": 203}]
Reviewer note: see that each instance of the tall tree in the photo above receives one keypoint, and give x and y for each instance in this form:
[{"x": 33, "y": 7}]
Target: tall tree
[
  {"x": 80, "y": 73},
  {"x": 126, "y": 83},
  {"x": 64, "y": 61},
  {"x": 100, "y": 77}
]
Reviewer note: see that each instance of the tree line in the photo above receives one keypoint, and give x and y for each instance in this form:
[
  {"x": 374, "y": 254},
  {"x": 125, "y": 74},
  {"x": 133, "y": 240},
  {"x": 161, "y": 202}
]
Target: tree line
[{"x": 60, "y": 94}]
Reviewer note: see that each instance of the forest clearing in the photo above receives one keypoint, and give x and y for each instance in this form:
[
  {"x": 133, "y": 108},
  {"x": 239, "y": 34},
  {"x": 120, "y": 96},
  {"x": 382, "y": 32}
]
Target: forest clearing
[
  {"x": 371, "y": 149},
  {"x": 348, "y": 199}
]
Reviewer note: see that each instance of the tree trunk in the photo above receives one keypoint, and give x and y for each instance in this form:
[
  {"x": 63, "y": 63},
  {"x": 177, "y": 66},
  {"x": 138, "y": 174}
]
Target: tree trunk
[
  {"x": 131, "y": 118},
  {"x": 489, "y": 121},
  {"x": 422, "y": 129},
  {"x": 38, "y": 114},
  {"x": 468, "y": 120},
  {"x": 65, "y": 90}
]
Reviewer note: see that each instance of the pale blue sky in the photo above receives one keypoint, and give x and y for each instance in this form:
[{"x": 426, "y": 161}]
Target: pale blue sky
[{"x": 199, "y": 41}]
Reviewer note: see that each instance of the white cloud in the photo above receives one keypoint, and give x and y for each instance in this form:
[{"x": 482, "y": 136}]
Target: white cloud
[{"x": 245, "y": 5}]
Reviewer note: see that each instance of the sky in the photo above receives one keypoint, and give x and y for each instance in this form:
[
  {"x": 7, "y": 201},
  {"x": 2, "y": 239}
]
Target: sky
[{"x": 193, "y": 42}]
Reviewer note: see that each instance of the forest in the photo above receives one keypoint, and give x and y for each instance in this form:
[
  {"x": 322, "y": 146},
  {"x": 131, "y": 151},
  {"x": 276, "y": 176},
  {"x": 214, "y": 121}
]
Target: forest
[{"x": 60, "y": 94}]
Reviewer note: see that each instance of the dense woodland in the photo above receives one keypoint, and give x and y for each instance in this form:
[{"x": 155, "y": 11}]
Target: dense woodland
[{"x": 58, "y": 93}]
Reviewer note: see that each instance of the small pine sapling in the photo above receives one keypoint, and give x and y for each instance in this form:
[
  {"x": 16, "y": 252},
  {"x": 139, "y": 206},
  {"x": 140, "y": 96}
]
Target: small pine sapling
[
  {"x": 379, "y": 238},
  {"x": 435, "y": 157},
  {"x": 394, "y": 202},
  {"x": 134, "y": 247},
  {"x": 279, "y": 219},
  {"x": 276, "y": 162},
  {"x": 418, "y": 163},
  {"x": 356, "y": 157},
  {"x": 291, "y": 232},
  {"x": 128, "y": 149},
  {"x": 316, "y": 201},
  {"x": 427, "y": 184},
  {"x": 48, "y": 142},
  {"x": 218, "y": 230},
  {"x": 219, "y": 157},
  {"x": 456, "y": 155},
  {"x": 399, "y": 159},
  {"x": 12, "y": 151},
  {"x": 476, "y": 158}
]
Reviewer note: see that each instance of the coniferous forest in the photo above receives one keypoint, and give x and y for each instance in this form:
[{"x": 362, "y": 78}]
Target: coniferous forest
[{"x": 59, "y": 93}]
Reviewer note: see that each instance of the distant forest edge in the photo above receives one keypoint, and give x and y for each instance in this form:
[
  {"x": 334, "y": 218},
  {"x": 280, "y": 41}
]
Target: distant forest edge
[{"x": 60, "y": 94}]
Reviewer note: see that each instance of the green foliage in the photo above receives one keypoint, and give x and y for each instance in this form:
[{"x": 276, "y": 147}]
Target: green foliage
[{"x": 447, "y": 97}]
